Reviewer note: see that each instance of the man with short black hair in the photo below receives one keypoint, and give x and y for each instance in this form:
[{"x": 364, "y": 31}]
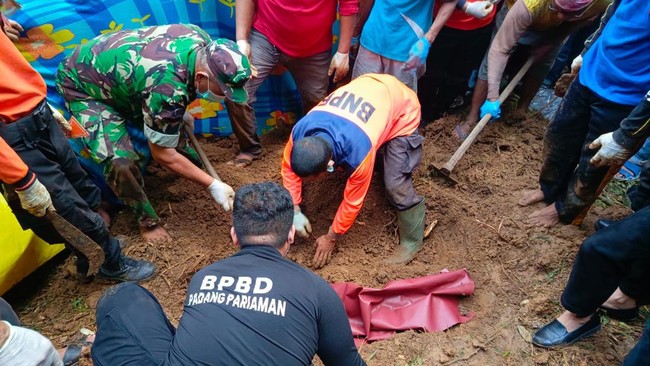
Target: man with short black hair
[
  {"x": 254, "y": 307},
  {"x": 347, "y": 130}
]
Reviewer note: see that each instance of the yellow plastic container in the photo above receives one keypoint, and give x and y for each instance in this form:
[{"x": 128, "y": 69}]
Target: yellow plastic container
[{"x": 21, "y": 252}]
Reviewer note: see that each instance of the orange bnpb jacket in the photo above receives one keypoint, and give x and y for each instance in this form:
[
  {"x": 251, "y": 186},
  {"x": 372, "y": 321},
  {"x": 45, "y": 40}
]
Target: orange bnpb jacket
[{"x": 356, "y": 119}]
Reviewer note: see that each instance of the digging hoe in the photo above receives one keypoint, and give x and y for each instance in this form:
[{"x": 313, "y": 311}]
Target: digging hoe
[{"x": 446, "y": 169}]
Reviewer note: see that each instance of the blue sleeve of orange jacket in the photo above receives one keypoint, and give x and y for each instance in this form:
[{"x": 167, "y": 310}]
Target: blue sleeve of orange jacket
[
  {"x": 354, "y": 194},
  {"x": 290, "y": 180}
]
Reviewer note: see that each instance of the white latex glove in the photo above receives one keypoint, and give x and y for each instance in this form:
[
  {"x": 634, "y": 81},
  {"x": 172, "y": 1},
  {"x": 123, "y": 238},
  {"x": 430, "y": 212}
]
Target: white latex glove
[
  {"x": 339, "y": 66},
  {"x": 478, "y": 9},
  {"x": 222, "y": 193},
  {"x": 610, "y": 152},
  {"x": 65, "y": 125},
  {"x": 576, "y": 64},
  {"x": 301, "y": 223},
  {"x": 35, "y": 199},
  {"x": 27, "y": 347},
  {"x": 245, "y": 48}
]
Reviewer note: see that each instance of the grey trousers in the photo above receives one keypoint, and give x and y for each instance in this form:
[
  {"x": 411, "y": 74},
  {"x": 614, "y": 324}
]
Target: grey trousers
[
  {"x": 401, "y": 156},
  {"x": 309, "y": 73},
  {"x": 369, "y": 62}
]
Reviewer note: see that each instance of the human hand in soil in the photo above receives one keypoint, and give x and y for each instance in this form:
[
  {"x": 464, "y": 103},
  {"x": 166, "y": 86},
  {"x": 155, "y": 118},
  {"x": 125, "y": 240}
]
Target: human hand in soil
[
  {"x": 301, "y": 223},
  {"x": 324, "y": 247},
  {"x": 609, "y": 152},
  {"x": 222, "y": 193}
]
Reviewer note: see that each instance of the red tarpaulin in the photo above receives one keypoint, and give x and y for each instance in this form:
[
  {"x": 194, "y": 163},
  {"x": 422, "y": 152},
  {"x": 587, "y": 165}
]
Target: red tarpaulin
[{"x": 425, "y": 303}]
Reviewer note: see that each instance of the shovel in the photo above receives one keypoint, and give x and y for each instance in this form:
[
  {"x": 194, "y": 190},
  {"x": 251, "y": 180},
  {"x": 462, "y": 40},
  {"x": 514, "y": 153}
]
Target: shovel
[
  {"x": 80, "y": 241},
  {"x": 202, "y": 156},
  {"x": 446, "y": 169}
]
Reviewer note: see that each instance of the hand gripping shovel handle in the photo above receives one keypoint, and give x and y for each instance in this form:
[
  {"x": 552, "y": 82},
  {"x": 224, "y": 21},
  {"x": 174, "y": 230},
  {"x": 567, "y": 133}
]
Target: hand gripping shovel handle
[
  {"x": 449, "y": 166},
  {"x": 78, "y": 240},
  {"x": 202, "y": 156}
]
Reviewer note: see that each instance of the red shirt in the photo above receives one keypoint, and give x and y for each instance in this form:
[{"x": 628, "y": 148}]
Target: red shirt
[
  {"x": 300, "y": 28},
  {"x": 460, "y": 20}
]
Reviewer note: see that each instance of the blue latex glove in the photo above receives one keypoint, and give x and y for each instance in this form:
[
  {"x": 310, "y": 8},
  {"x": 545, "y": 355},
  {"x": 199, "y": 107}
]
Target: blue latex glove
[
  {"x": 417, "y": 54},
  {"x": 493, "y": 108}
]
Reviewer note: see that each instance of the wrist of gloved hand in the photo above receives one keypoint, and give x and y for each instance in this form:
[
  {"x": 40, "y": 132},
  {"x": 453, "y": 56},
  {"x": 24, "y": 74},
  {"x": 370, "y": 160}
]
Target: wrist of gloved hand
[
  {"x": 609, "y": 151},
  {"x": 478, "y": 9},
  {"x": 58, "y": 117},
  {"x": 576, "y": 64},
  {"x": 491, "y": 107},
  {"x": 35, "y": 198},
  {"x": 339, "y": 66},
  {"x": 244, "y": 47},
  {"x": 222, "y": 193},
  {"x": 301, "y": 223}
]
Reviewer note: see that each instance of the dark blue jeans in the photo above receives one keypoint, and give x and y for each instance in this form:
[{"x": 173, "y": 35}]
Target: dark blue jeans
[
  {"x": 132, "y": 328},
  {"x": 640, "y": 194},
  {"x": 640, "y": 354},
  {"x": 580, "y": 119},
  {"x": 616, "y": 256}
]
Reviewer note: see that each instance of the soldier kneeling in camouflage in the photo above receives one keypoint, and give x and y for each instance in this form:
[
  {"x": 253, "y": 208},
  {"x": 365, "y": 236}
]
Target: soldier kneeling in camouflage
[{"x": 144, "y": 79}]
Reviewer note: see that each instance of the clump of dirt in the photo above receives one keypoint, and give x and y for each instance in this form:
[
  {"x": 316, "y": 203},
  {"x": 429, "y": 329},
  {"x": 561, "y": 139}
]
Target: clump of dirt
[
  {"x": 519, "y": 270},
  {"x": 562, "y": 84}
]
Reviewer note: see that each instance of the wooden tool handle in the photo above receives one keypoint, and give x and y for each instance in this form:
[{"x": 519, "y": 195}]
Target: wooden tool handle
[
  {"x": 449, "y": 165},
  {"x": 202, "y": 156}
]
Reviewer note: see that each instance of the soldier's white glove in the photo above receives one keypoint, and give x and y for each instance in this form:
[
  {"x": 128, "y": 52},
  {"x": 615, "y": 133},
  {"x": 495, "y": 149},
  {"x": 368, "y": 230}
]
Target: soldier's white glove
[
  {"x": 245, "y": 48},
  {"x": 339, "y": 66},
  {"x": 222, "y": 193},
  {"x": 63, "y": 123},
  {"x": 26, "y": 347},
  {"x": 478, "y": 9},
  {"x": 576, "y": 64},
  {"x": 35, "y": 199},
  {"x": 301, "y": 223},
  {"x": 609, "y": 152}
]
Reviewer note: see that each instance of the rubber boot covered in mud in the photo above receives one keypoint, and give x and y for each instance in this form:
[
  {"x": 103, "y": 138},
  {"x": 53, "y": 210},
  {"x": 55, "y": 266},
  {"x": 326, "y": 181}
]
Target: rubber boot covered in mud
[{"x": 411, "y": 234}]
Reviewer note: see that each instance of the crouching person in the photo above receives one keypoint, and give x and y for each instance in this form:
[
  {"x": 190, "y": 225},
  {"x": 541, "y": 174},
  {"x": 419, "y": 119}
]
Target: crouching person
[{"x": 255, "y": 307}]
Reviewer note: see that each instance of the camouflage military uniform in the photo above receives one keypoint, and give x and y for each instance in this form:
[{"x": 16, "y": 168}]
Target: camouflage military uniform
[{"x": 142, "y": 78}]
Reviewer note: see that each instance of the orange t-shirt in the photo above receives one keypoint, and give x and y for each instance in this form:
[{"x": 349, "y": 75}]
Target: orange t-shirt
[
  {"x": 13, "y": 169},
  {"x": 22, "y": 88},
  {"x": 357, "y": 119}
]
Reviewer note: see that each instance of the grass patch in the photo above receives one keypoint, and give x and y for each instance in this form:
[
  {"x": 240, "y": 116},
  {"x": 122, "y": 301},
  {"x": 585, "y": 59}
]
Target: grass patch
[{"x": 615, "y": 193}]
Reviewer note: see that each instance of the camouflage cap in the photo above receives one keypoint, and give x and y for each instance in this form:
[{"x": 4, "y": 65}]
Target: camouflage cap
[{"x": 231, "y": 67}]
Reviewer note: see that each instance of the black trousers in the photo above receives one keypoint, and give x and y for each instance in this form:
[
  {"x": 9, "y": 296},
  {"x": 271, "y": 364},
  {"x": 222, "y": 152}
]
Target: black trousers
[
  {"x": 640, "y": 194},
  {"x": 453, "y": 56},
  {"x": 617, "y": 256},
  {"x": 580, "y": 119},
  {"x": 132, "y": 328},
  {"x": 41, "y": 144}
]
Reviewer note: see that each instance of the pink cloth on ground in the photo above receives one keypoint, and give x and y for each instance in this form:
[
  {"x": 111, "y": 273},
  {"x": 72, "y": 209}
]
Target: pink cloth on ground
[{"x": 427, "y": 303}]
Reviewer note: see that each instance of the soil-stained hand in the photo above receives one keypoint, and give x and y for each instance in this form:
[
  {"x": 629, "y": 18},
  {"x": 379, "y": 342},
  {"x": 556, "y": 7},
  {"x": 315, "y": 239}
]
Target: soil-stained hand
[{"x": 324, "y": 247}]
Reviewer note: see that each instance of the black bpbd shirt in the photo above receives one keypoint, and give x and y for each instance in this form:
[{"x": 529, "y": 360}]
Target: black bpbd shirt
[{"x": 258, "y": 308}]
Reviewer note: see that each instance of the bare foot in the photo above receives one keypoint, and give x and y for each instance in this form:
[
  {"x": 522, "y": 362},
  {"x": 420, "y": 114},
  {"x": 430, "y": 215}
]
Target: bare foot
[
  {"x": 571, "y": 322},
  {"x": 619, "y": 300},
  {"x": 546, "y": 217},
  {"x": 462, "y": 130},
  {"x": 155, "y": 234},
  {"x": 242, "y": 160},
  {"x": 106, "y": 217},
  {"x": 531, "y": 196}
]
